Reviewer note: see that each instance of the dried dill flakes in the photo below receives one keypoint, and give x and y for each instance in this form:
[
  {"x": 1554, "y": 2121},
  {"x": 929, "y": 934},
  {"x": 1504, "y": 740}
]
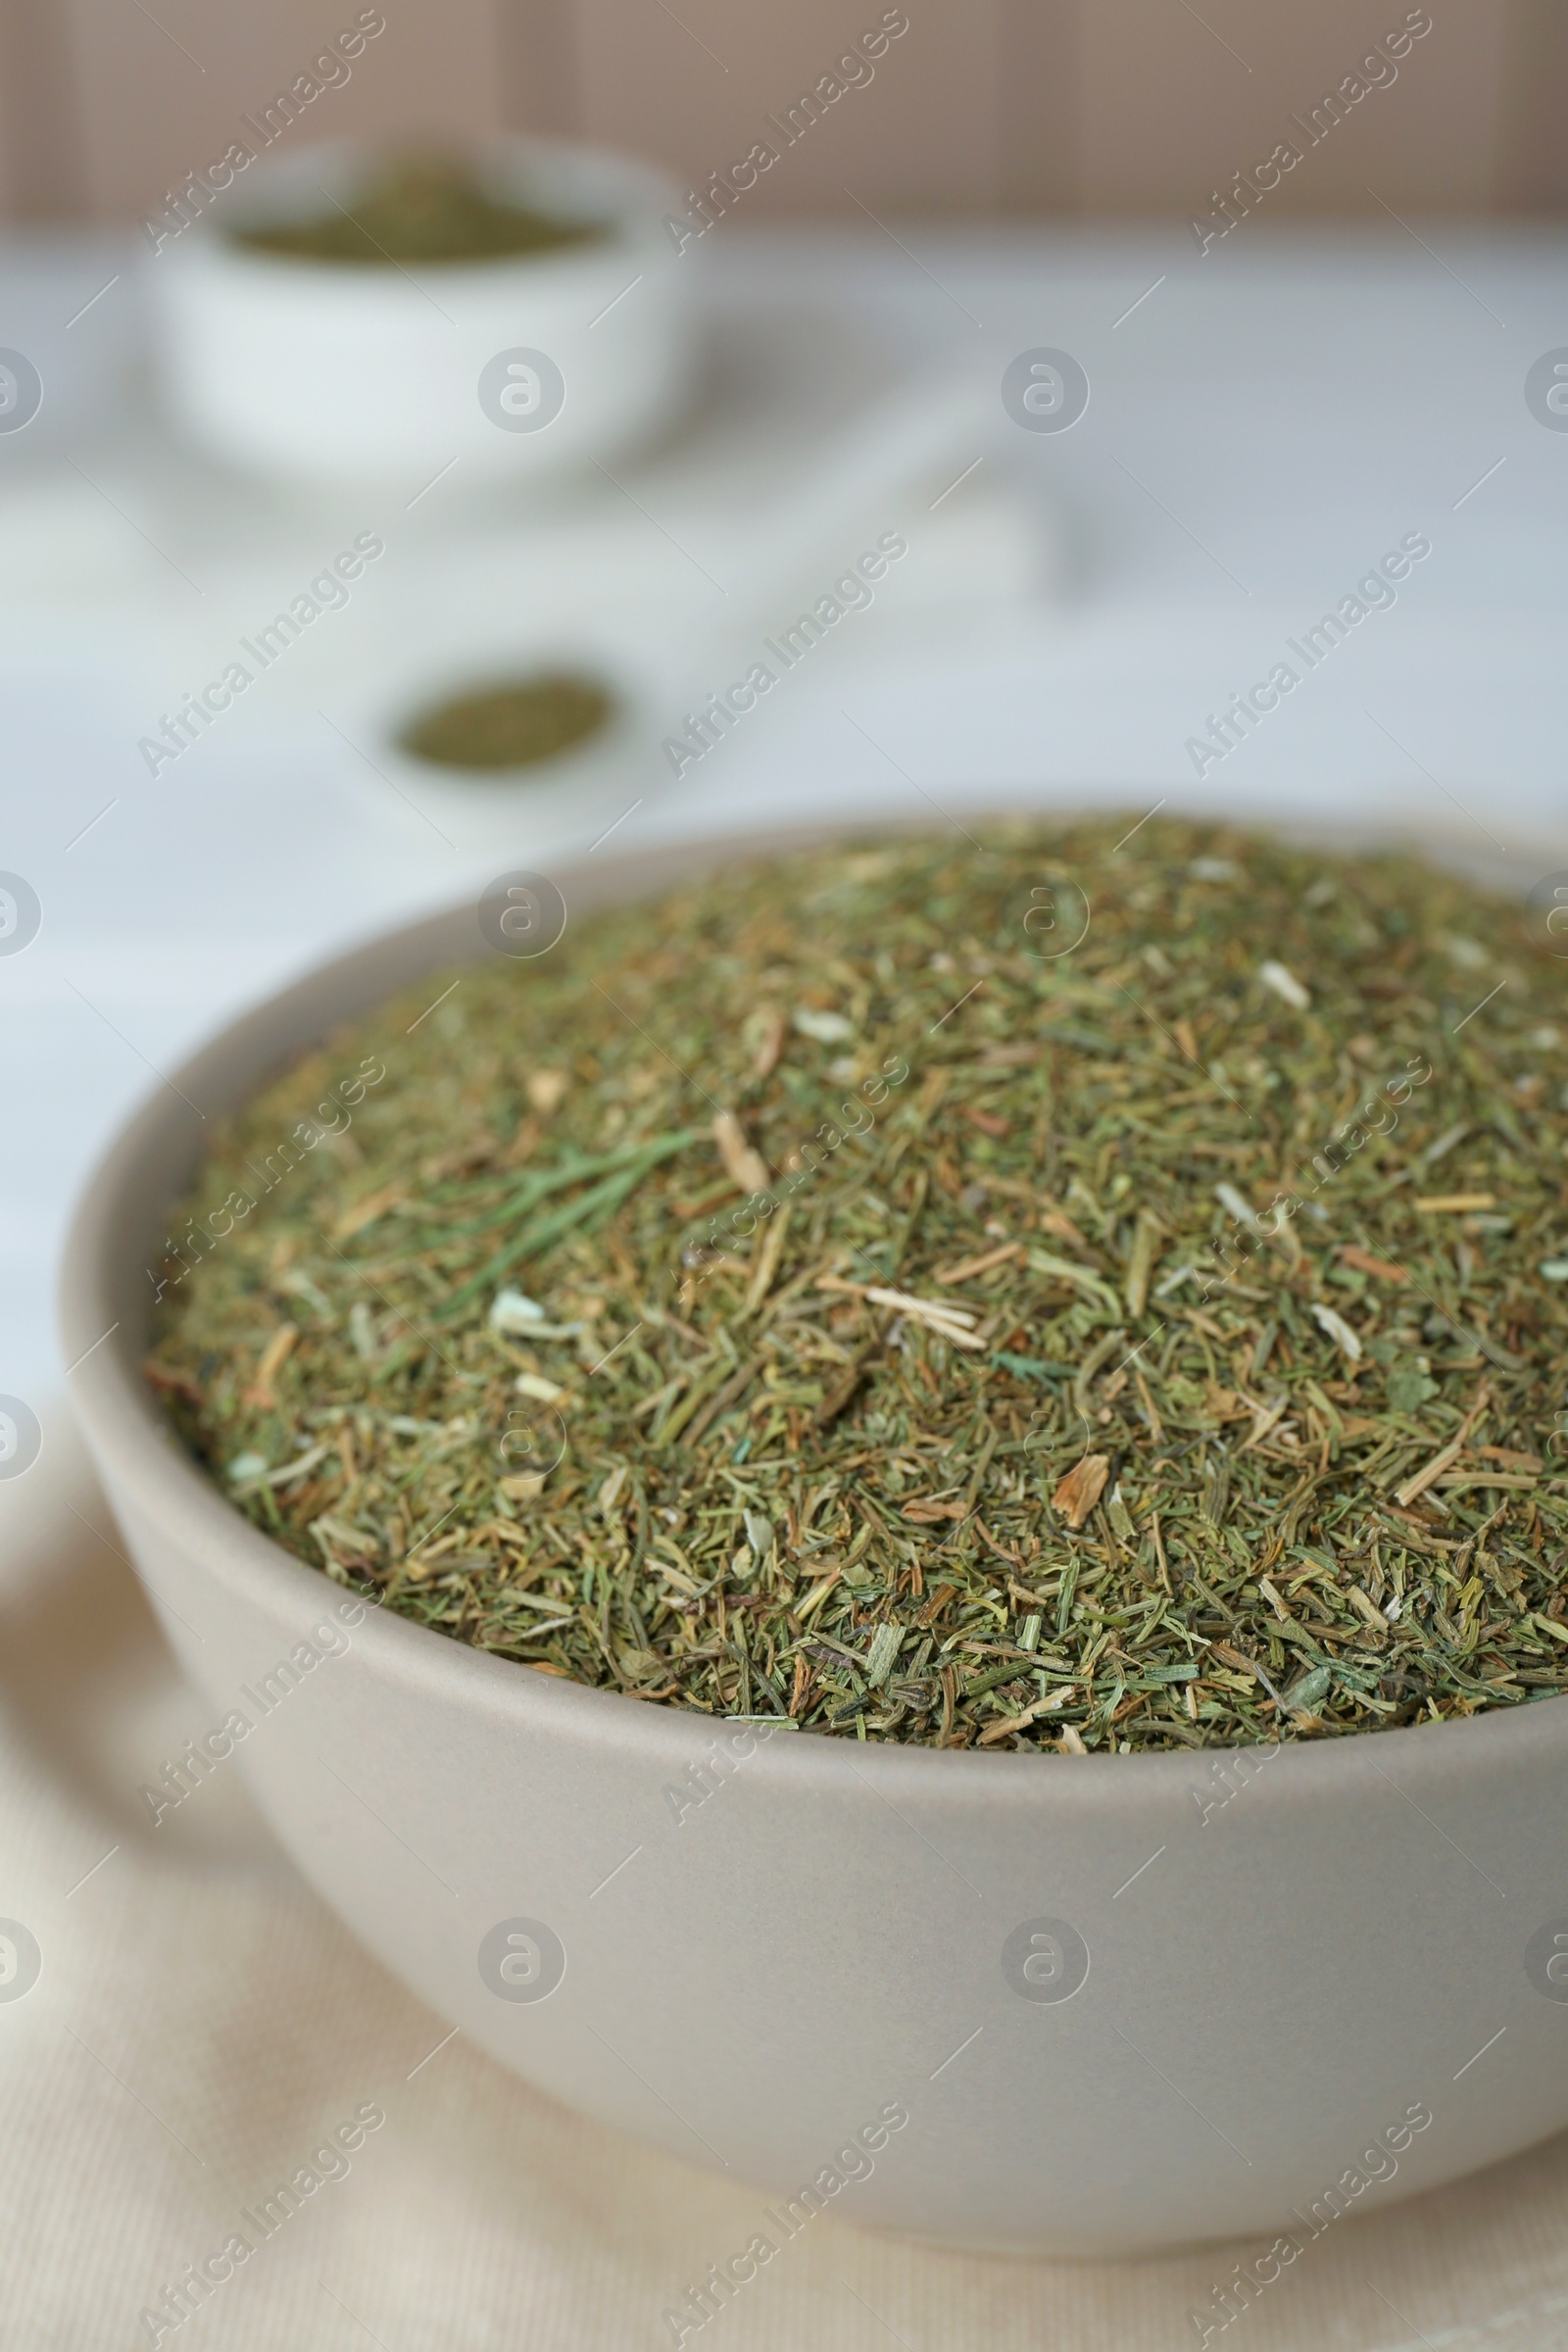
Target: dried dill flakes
[
  {"x": 807, "y": 1298},
  {"x": 423, "y": 208},
  {"x": 517, "y": 723}
]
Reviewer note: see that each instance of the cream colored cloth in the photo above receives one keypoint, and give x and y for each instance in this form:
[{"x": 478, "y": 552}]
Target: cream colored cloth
[{"x": 201, "y": 2027}]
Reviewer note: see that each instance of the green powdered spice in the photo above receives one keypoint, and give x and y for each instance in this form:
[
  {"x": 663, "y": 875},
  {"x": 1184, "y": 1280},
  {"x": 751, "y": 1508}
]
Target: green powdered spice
[
  {"x": 429, "y": 209},
  {"x": 516, "y": 725},
  {"x": 1050, "y": 1294}
]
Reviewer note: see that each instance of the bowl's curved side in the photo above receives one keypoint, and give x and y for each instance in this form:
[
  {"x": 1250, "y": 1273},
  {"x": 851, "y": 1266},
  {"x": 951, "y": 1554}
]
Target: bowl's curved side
[{"x": 1075, "y": 2005}]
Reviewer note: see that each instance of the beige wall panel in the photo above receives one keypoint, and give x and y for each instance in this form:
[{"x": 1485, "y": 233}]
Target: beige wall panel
[
  {"x": 693, "y": 93},
  {"x": 1169, "y": 108},
  {"x": 1040, "y": 74},
  {"x": 1087, "y": 107},
  {"x": 541, "y": 66},
  {"x": 41, "y": 177},
  {"x": 158, "y": 100},
  {"x": 1533, "y": 177}
]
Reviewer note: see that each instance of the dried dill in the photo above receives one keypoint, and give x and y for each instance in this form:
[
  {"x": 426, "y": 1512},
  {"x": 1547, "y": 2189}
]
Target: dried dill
[
  {"x": 1055, "y": 1294},
  {"x": 517, "y": 723},
  {"x": 423, "y": 208}
]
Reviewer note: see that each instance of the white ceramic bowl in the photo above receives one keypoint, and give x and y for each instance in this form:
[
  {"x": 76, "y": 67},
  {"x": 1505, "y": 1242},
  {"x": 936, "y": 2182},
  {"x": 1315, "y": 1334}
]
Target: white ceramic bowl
[
  {"x": 1121, "y": 2002},
  {"x": 334, "y": 373},
  {"x": 582, "y": 791}
]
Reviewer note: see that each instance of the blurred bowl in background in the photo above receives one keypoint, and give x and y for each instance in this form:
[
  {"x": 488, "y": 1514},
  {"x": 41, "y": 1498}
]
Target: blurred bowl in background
[
  {"x": 486, "y": 803},
  {"x": 523, "y": 367}
]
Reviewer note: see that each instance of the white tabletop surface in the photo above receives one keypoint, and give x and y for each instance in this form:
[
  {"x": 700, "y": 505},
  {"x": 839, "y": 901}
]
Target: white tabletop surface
[{"x": 1264, "y": 423}]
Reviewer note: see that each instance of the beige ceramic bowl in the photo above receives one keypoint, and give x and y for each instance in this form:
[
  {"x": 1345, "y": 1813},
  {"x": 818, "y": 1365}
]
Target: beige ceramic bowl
[{"x": 1123, "y": 2002}]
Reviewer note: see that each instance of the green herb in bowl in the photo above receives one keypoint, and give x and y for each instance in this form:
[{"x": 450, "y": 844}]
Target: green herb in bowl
[
  {"x": 424, "y": 210},
  {"x": 513, "y": 724},
  {"x": 1072, "y": 1293}
]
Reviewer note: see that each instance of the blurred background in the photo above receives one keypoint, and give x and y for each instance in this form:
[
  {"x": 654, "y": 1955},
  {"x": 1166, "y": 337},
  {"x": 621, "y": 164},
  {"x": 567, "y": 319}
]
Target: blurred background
[
  {"x": 1073, "y": 109},
  {"x": 1022, "y": 302}
]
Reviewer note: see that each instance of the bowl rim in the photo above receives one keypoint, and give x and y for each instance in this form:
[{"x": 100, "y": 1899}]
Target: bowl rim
[
  {"x": 596, "y": 186},
  {"x": 139, "y": 1457}
]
